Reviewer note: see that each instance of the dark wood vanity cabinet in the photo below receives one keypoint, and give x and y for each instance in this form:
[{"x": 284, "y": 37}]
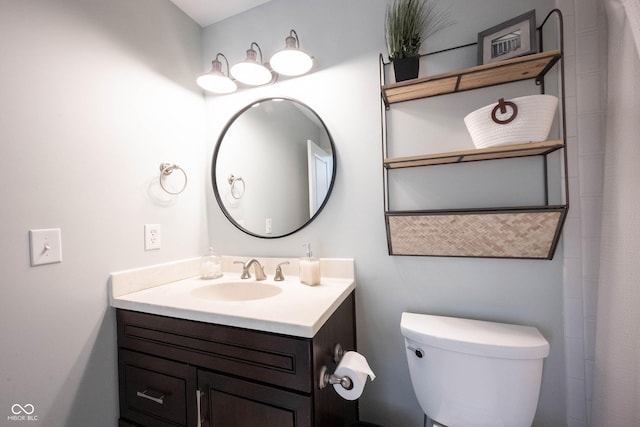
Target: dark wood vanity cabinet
[{"x": 176, "y": 372}]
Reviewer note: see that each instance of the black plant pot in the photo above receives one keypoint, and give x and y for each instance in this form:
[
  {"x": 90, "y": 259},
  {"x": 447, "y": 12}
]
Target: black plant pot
[{"x": 406, "y": 68}]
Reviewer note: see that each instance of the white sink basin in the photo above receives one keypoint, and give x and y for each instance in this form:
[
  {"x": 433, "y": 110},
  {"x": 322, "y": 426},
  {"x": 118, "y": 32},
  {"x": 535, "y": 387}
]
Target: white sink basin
[{"x": 237, "y": 291}]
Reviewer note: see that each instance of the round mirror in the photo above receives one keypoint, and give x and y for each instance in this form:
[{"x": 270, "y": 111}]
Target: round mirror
[{"x": 273, "y": 167}]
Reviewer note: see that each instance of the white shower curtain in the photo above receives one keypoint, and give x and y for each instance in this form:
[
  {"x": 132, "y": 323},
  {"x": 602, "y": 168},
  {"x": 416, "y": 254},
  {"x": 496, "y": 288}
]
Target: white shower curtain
[{"x": 616, "y": 389}]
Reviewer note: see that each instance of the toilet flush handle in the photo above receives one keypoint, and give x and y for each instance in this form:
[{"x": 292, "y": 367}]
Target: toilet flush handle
[{"x": 418, "y": 351}]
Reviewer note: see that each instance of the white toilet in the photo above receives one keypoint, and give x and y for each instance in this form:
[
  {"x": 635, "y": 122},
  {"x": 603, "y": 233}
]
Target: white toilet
[{"x": 472, "y": 373}]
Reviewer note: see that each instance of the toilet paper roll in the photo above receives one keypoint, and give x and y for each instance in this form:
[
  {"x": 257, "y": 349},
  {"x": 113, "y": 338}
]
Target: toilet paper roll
[{"x": 355, "y": 366}]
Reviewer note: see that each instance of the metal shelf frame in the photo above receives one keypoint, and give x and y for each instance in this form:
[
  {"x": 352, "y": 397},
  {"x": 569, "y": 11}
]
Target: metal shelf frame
[{"x": 471, "y": 232}]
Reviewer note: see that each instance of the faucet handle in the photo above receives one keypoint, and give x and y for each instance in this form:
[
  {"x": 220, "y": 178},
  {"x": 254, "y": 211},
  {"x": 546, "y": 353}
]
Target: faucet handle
[
  {"x": 279, "y": 277},
  {"x": 245, "y": 270}
]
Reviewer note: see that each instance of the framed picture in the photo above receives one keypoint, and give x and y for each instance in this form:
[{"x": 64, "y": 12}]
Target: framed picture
[{"x": 515, "y": 37}]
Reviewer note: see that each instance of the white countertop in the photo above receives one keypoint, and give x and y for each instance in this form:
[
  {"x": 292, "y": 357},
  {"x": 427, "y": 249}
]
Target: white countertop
[{"x": 299, "y": 310}]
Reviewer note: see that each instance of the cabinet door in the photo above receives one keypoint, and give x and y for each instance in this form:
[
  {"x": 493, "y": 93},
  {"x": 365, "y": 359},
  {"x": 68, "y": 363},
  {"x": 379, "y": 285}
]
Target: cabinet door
[
  {"x": 155, "y": 391},
  {"x": 232, "y": 402}
]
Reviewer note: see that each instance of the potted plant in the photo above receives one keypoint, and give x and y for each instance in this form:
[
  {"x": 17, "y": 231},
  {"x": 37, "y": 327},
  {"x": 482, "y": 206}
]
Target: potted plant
[{"x": 408, "y": 23}]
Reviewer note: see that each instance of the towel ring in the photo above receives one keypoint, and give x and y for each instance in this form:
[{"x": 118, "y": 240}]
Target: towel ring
[
  {"x": 167, "y": 169},
  {"x": 235, "y": 192}
]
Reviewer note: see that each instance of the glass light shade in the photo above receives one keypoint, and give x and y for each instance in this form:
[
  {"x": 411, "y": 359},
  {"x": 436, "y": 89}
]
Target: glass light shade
[
  {"x": 251, "y": 73},
  {"x": 291, "y": 62},
  {"x": 215, "y": 81}
]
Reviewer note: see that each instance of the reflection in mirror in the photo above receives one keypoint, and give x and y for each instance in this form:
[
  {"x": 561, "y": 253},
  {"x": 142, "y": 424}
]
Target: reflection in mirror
[{"x": 273, "y": 167}]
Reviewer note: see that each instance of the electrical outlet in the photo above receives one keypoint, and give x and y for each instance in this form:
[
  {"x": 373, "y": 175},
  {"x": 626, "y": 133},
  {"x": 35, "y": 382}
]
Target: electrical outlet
[
  {"x": 46, "y": 246},
  {"x": 152, "y": 237}
]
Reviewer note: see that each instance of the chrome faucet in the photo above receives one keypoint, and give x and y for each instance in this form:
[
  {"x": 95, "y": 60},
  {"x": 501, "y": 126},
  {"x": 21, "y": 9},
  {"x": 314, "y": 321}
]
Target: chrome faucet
[{"x": 247, "y": 265}]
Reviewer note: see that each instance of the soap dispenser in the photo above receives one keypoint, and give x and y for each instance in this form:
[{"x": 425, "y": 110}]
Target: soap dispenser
[
  {"x": 211, "y": 265},
  {"x": 309, "y": 268}
]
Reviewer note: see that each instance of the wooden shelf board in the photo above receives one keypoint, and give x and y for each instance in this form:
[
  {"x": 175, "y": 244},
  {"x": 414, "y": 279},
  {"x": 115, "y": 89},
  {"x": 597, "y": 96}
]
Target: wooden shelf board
[
  {"x": 491, "y": 153},
  {"x": 510, "y": 70}
]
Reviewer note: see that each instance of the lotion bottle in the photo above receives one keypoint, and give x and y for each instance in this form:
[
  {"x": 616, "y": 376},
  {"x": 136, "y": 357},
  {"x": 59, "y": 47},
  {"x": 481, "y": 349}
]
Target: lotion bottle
[
  {"x": 309, "y": 268},
  {"x": 211, "y": 265}
]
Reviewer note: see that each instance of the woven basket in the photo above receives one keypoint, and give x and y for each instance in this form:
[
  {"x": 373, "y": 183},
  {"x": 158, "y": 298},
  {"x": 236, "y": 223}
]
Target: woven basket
[{"x": 519, "y": 120}]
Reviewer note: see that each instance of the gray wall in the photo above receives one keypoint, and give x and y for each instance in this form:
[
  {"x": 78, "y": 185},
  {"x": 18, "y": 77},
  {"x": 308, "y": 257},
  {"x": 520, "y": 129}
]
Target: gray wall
[
  {"x": 346, "y": 38},
  {"x": 94, "y": 95}
]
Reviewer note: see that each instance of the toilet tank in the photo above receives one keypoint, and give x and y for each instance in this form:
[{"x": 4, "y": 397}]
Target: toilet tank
[{"x": 473, "y": 373}]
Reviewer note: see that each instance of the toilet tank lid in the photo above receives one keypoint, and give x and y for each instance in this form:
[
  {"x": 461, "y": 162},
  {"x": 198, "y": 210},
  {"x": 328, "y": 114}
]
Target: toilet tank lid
[{"x": 477, "y": 337}]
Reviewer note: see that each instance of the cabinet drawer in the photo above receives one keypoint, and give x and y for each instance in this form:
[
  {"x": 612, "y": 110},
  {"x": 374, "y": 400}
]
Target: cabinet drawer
[
  {"x": 270, "y": 358},
  {"x": 155, "y": 391}
]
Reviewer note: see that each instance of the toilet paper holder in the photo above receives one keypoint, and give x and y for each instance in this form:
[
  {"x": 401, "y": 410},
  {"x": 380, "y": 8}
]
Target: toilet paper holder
[
  {"x": 330, "y": 379},
  {"x": 326, "y": 378}
]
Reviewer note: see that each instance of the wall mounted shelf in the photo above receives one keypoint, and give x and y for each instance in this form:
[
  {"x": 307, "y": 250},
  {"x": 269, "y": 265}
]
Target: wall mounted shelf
[{"x": 500, "y": 232}]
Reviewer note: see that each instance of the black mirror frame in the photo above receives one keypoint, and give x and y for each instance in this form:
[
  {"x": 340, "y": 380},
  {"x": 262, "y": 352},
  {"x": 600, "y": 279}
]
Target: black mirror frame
[{"x": 215, "y": 158}]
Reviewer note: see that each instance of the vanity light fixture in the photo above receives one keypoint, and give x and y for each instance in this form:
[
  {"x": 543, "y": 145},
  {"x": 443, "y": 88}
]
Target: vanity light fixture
[
  {"x": 250, "y": 71},
  {"x": 291, "y": 61},
  {"x": 253, "y": 71},
  {"x": 215, "y": 80}
]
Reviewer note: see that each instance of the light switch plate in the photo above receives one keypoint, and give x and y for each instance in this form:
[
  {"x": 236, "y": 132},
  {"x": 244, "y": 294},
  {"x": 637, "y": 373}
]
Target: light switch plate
[{"x": 46, "y": 246}]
